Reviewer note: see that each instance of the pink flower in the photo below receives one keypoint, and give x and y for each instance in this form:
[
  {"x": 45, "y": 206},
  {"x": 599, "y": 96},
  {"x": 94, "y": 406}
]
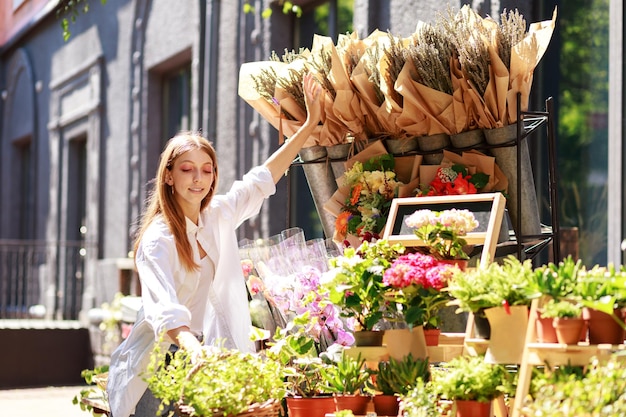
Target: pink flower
[{"x": 255, "y": 284}]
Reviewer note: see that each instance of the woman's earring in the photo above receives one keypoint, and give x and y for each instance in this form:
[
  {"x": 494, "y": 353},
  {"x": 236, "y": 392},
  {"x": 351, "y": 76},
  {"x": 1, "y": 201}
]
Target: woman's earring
[{"x": 172, "y": 189}]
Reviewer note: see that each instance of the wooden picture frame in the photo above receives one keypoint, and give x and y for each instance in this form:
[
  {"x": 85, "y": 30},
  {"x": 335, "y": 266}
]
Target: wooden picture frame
[{"x": 488, "y": 208}]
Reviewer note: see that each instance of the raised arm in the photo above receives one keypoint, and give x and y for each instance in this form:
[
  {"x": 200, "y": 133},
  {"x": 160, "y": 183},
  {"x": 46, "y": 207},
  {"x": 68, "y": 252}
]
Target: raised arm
[{"x": 281, "y": 159}]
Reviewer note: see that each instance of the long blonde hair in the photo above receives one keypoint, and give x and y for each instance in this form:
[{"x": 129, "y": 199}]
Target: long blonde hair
[{"x": 161, "y": 199}]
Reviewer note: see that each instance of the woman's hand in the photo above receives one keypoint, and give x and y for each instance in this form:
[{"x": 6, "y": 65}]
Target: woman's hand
[
  {"x": 312, "y": 98},
  {"x": 280, "y": 161}
]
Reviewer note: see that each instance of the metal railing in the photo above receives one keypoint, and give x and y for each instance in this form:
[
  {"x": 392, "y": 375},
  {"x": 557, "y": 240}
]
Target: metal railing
[{"x": 40, "y": 273}]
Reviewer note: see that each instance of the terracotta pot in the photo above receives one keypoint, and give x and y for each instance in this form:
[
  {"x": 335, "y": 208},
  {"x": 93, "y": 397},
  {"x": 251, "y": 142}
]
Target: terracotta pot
[
  {"x": 386, "y": 405},
  {"x": 310, "y": 407},
  {"x": 603, "y": 328},
  {"x": 356, "y": 403},
  {"x": 369, "y": 338},
  {"x": 401, "y": 342},
  {"x": 472, "y": 408},
  {"x": 568, "y": 329},
  {"x": 545, "y": 330},
  {"x": 432, "y": 336}
]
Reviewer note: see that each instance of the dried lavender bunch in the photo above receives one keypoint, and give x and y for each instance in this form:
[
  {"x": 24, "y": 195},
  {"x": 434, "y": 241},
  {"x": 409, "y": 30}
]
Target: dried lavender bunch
[
  {"x": 289, "y": 56},
  {"x": 372, "y": 71},
  {"x": 322, "y": 63},
  {"x": 430, "y": 51},
  {"x": 510, "y": 32},
  {"x": 353, "y": 58},
  {"x": 265, "y": 82},
  {"x": 396, "y": 57},
  {"x": 292, "y": 84},
  {"x": 470, "y": 38}
]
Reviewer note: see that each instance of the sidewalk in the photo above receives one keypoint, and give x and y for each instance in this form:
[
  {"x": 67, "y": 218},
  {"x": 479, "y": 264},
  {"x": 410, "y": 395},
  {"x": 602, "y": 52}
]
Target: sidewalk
[{"x": 41, "y": 402}]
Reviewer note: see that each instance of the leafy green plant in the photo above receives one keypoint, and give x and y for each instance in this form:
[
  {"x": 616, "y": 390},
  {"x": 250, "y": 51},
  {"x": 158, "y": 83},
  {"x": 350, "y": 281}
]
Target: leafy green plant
[
  {"x": 96, "y": 390},
  {"x": 400, "y": 376},
  {"x": 496, "y": 285},
  {"x": 297, "y": 353},
  {"x": 346, "y": 376},
  {"x": 355, "y": 281},
  {"x": 561, "y": 309},
  {"x": 422, "y": 401},
  {"x": 471, "y": 378},
  {"x": 600, "y": 390},
  {"x": 557, "y": 280},
  {"x": 220, "y": 380}
]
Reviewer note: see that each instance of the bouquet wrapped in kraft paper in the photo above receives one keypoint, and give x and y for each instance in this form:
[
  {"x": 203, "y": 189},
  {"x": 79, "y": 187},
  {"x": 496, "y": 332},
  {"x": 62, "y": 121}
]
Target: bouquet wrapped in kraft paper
[
  {"x": 373, "y": 178},
  {"x": 455, "y": 83}
]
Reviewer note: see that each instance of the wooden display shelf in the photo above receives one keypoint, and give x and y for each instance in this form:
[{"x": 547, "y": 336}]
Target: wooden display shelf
[{"x": 577, "y": 355}]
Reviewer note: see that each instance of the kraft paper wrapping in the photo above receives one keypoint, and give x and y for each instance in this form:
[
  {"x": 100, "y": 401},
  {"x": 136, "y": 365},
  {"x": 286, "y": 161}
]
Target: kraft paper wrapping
[
  {"x": 434, "y": 107},
  {"x": 508, "y": 334},
  {"x": 469, "y": 106},
  {"x": 401, "y": 342},
  {"x": 479, "y": 162},
  {"x": 271, "y": 111},
  {"x": 524, "y": 59},
  {"x": 322, "y": 176}
]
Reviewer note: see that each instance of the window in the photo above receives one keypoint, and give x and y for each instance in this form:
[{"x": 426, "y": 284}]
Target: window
[{"x": 176, "y": 102}]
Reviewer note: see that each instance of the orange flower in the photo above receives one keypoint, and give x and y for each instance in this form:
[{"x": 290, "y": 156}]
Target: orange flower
[
  {"x": 341, "y": 224},
  {"x": 356, "y": 194}
]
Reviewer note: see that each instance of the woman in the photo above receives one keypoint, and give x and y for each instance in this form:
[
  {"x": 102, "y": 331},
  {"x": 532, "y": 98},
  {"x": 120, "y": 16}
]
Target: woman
[{"x": 186, "y": 253}]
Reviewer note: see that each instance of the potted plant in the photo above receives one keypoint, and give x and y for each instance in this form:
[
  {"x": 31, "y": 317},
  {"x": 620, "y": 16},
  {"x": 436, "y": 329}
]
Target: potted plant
[
  {"x": 602, "y": 292},
  {"x": 346, "y": 378},
  {"x": 502, "y": 293},
  {"x": 568, "y": 321},
  {"x": 93, "y": 398},
  {"x": 414, "y": 284},
  {"x": 395, "y": 378},
  {"x": 443, "y": 232},
  {"x": 554, "y": 282},
  {"x": 422, "y": 401},
  {"x": 307, "y": 393},
  {"x": 233, "y": 382},
  {"x": 470, "y": 382},
  {"x": 355, "y": 283},
  {"x": 595, "y": 390}
]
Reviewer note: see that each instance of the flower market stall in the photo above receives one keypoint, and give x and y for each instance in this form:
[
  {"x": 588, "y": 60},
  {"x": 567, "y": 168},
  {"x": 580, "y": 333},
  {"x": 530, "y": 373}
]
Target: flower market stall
[{"x": 420, "y": 148}]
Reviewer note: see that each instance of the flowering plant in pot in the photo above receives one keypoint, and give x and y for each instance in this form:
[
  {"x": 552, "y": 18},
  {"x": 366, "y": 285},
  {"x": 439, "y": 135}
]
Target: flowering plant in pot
[
  {"x": 372, "y": 186},
  {"x": 414, "y": 283},
  {"x": 443, "y": 231},
  {"x": 355, "y": 282}
]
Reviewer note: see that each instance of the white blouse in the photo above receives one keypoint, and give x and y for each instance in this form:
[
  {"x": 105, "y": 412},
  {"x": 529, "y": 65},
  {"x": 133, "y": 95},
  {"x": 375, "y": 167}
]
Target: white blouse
[{"x": 212, "y": 301}]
